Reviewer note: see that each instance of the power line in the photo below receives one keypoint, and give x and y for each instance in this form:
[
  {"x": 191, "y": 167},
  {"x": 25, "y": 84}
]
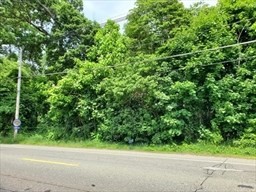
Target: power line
[
  {"x": 181, "y": 68},
  {"x": 195, "y": 52},
  {"x": 168, "y": 57},
  {"x": 56, "y": 73},
  {"x": 117, "y": 20},
  {"x": 223, "y": 62},
  {"x": 177, "y": 55},
  {"x": 205, "y": 50}
]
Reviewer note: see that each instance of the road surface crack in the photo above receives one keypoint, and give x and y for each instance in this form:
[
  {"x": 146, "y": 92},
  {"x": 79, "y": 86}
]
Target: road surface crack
[{"x": 209, "y": 174}]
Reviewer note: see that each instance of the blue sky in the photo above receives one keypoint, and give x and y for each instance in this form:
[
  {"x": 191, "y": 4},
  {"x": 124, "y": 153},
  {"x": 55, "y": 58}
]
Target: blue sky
[{"x": 101, "y": 10}]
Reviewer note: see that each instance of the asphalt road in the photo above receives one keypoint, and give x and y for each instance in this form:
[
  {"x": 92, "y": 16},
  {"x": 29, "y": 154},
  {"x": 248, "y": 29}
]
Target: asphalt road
[{"x": 49, "y": 169}]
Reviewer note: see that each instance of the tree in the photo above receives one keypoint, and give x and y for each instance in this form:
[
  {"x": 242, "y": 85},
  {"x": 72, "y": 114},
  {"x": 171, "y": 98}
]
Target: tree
[
  {"x": 110, "y": 45},
  {"x": 78, "y": 92},
  {"x": 26, "y": 24},
  {"x": 128, "y": 115},
  {"x": 233, "y": 95},
  {"x": 152, "y": 23},
  {"x": 241, "y": 18},
  {"x": 71, "y": 37},
  {"x": 56, "y": 30}
]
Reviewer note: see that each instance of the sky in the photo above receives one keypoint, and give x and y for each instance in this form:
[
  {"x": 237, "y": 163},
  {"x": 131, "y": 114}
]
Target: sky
[{"x": 102, "y": 10}]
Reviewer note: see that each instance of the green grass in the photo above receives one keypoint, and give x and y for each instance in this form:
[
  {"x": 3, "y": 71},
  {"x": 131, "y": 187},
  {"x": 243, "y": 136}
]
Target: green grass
[{"x": 224, "y": 150}]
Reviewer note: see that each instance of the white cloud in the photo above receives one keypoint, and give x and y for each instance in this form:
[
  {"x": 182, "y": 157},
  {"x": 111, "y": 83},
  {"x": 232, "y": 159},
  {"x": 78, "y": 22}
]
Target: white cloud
[{"x": 101, "y": 10}]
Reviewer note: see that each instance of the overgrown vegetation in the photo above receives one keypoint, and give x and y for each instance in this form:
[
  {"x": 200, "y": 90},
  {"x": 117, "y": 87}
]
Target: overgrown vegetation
[
  {"x": 175, "y": 76},
  {"x": 199, "y": 148}
]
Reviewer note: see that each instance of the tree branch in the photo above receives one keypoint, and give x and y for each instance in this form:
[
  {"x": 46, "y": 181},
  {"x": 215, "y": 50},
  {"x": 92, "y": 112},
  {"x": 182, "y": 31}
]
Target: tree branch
[
  {"x": 53, "y": 16},
  {"x": 37, "y": 27}
]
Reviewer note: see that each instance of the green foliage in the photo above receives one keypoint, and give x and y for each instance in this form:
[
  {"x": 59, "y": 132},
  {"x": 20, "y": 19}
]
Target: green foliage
[
  {"x": 56, "y": 30},
  {"x": 151, "y": 23},
  {"x": 110, "y": 46},
  {"x": 248, "y": 139},
  {"x": 71, "y": 103},
  {"x": 31, "y": 92},
  {"x": 179, "y": 116},
  {"x": 8, "y": 73},
  {"x": 76, "y": 100},
  {"x": 71, "y": 37},
  {"x": 210, "y": 137},
  {"x": 138, "y": 87},
  {"x": 128, "y": 115}
]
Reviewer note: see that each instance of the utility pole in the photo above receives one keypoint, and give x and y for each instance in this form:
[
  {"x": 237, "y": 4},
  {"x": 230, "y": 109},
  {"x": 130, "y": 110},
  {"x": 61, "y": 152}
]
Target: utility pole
[{"x": 17, "y": 122}]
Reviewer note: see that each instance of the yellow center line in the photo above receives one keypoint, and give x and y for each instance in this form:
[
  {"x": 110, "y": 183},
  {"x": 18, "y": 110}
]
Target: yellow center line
[{"x": 50, "y": 162}]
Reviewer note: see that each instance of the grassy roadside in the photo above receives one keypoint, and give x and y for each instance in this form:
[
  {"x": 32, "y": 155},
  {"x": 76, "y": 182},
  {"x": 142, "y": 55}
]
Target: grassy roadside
[{"x": 196, "y": 149}]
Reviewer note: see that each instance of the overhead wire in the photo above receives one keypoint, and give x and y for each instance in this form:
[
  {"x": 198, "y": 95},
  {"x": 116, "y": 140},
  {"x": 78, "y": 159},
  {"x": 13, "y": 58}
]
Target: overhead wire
[
  {"x": 169, "y": 57},
  {"x": 180, "y": 68},
  {"x": 175, "y": 56},
  {"x": 224, "y": 62}
]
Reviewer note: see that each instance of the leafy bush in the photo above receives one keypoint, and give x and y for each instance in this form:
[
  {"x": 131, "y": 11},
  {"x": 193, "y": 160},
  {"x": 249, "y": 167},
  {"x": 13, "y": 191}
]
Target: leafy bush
[{"x": 248, "y": 139}]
